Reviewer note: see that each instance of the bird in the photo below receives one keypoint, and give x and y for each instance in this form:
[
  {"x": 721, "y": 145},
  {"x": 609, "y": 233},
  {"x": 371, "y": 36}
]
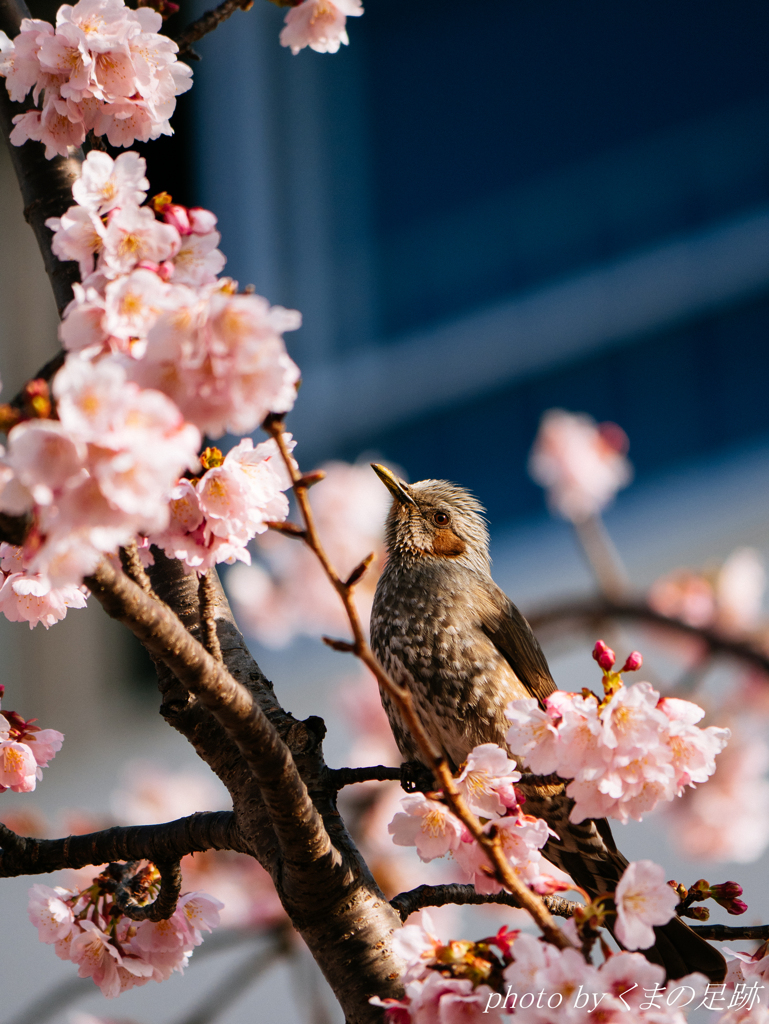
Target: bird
[{"x": 442, "y": 628}]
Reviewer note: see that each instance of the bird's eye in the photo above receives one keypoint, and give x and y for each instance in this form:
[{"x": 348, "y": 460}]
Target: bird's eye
[{"x": 440, "y": 518}]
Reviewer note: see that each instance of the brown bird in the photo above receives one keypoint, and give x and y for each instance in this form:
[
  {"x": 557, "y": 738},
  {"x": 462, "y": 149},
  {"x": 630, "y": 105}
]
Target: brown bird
[{"x": 442, "y": 627}]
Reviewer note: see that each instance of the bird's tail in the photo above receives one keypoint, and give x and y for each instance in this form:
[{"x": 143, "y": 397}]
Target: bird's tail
[{"x": 681, "y": 951}]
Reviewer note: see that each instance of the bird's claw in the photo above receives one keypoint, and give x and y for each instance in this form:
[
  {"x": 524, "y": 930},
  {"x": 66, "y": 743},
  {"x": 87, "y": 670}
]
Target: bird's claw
[{"x": 416, "y": 778}]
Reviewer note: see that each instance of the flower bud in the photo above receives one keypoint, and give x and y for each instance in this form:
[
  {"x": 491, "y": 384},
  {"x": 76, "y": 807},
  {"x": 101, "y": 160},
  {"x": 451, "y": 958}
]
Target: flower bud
[
  {"x": 725, "y": 891},
  {"x": 201, "y": 221},
  {"x": 633, "y": 662},
  {"x": 176, "y": 216},
  {"x": 604, "y": 655},
  {"x": 734, "y": 906},
  {"x": 698, "y": 913}
]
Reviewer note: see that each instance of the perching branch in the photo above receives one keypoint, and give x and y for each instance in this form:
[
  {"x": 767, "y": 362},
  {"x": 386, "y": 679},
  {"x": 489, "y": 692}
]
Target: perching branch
[
  {"x": 338, "y": 778},
  {"x": 435, "y": 757},
  {"x": 212, "y": 830},
  {"x": 407, "y": 903}
]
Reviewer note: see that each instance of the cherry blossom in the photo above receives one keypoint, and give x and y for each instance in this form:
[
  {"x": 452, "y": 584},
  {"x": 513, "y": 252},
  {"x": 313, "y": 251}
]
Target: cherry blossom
[
  {"x": 288, "y": 594},
  {"x": 29, "y": 597},
  {"x": 87, "y": 928},
  {"x": 643, "y": 899},
  {"x": 624, "y": 754},
  {"x": 487, "y": 781},
  {"x": 319, "y": 24},
  {"x": 213, "y": 520},
  {"x": 104, "y": 68},
  {"x": 738, "y": 793},
  {"x": 427, "y": 824},
  {"x": 580, "y": 464},
  {"x": 25, "y": 749}
]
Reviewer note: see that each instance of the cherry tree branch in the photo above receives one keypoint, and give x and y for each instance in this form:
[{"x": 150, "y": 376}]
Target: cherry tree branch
[
  {"x": 407, "y": 903},
  {"x": 338, "y": 778},
  {"x": 212, "y": 830},
  {"x": 207, "y": 23},
  {"x": 488, "y": 841},
  {"x": 728, "y": 931},
  {"x": 596, "y": 608}
]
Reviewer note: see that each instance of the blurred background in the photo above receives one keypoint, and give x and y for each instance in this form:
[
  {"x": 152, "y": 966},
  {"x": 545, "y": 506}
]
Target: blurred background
[{"x": 483, "y": 212}]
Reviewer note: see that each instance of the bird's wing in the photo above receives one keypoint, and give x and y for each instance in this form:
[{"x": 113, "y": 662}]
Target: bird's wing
[{"x": 511, "y": 634}]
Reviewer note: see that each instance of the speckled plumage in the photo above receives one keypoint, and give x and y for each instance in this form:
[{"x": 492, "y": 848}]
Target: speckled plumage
[{"x": 443, "y": 628}]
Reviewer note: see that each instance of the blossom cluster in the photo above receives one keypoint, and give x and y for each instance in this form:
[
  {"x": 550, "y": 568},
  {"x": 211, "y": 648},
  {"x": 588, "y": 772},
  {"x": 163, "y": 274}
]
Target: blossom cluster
[
  {"x": 515, "y": 975},
  {"x": 581, "y": 464},
  {"x": 214, "y": 516},
  {"x": 99, "y": 474},
  {"x": 25, "y": 749},
  {"x": 624, "y": 753},
  {"x": 88, "y": 928},
  {"x": 287, "y": 594},
  {"x": 150, "y": 295},
  {"x": 104, "y": 68},
  {"x": 29, "y": 596},
  {"x": 319, "y": 24},
  {"x": 159, "y": 350},
  {"x": 487, "y": 782}
]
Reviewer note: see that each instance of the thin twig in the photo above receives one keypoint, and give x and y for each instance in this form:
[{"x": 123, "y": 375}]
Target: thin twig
[
  {"x": 407, "y": 903},
  {"x": 207, "y": 600},
  {"x": 586, "y": 609},
  {"x": 602, "y": 556},
  {"x": 207, "y": 23},
  {"x": 164, "y": 903},
  {"x": 488, "y": 841}
]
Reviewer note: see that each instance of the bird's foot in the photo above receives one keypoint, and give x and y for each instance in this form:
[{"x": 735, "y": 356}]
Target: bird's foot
[{"x": 416, "y": 778}]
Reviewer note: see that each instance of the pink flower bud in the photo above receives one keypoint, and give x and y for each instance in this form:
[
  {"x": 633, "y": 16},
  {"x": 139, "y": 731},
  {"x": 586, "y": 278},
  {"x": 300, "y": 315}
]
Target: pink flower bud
[
  {"x": 604, "y": 655},
  {"x": 725, "y": 891},
  {"x": 633, "y": 662},
  {"x": 698, "y": 913},
  {"x": 735, "y": 907},
  {"x": 177, "y": 217},
  {"x": 201, "y": 221}
]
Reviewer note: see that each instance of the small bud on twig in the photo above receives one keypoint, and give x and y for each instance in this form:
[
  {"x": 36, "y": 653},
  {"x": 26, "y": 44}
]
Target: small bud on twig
[
  {"x": 633, "y": 662},
  {"x": 309, "y": 479},
  {"x": 290, "y": 529},
  {"x": 339, "y": 645},
  {"x": 604, "y": 655},
  {"x": 359, "y": 571}
]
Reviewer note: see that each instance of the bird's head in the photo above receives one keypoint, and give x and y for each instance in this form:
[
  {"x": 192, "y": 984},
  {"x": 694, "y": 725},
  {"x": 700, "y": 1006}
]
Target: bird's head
[{"x": 435, "y": 519}]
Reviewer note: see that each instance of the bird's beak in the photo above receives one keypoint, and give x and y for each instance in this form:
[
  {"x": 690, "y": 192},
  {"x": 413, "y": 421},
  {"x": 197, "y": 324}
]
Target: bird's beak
[{"x": 395, "y": 486}]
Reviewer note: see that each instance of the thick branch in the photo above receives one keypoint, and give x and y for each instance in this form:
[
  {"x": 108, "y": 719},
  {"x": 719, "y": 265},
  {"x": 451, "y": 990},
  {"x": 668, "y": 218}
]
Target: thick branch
[
  {"x": 213, "y": 830},
  {"x": 298, "y": 826},
  {"x": 596, "y": 608},
  {"x": 46, "y": 185},
  {"x": 407, "y": 903}
]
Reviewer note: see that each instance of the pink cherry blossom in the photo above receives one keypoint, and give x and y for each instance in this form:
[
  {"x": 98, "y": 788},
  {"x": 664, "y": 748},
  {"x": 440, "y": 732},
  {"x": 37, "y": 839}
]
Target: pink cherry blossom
[
  {"x": 48, "y": 912},
  {"x": 105, "y": 68},
  {"x": 18, "y": 767},
  {"x": 319, "y": 24},
  {"x": 624, "y": 755},
  {"x": 222, "y": 359},
  {"x": 643, "y": 899},
  {"x": 521, "y": 837},
  {"x": 428, "y": 825},
  {"x": 580, "y": 464},
  {"x": 133, "y": 234},
  {"x": 105, "y": 183},
  {"x": 487, "y": 781},
  {"x": 77, "y": 235}
]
